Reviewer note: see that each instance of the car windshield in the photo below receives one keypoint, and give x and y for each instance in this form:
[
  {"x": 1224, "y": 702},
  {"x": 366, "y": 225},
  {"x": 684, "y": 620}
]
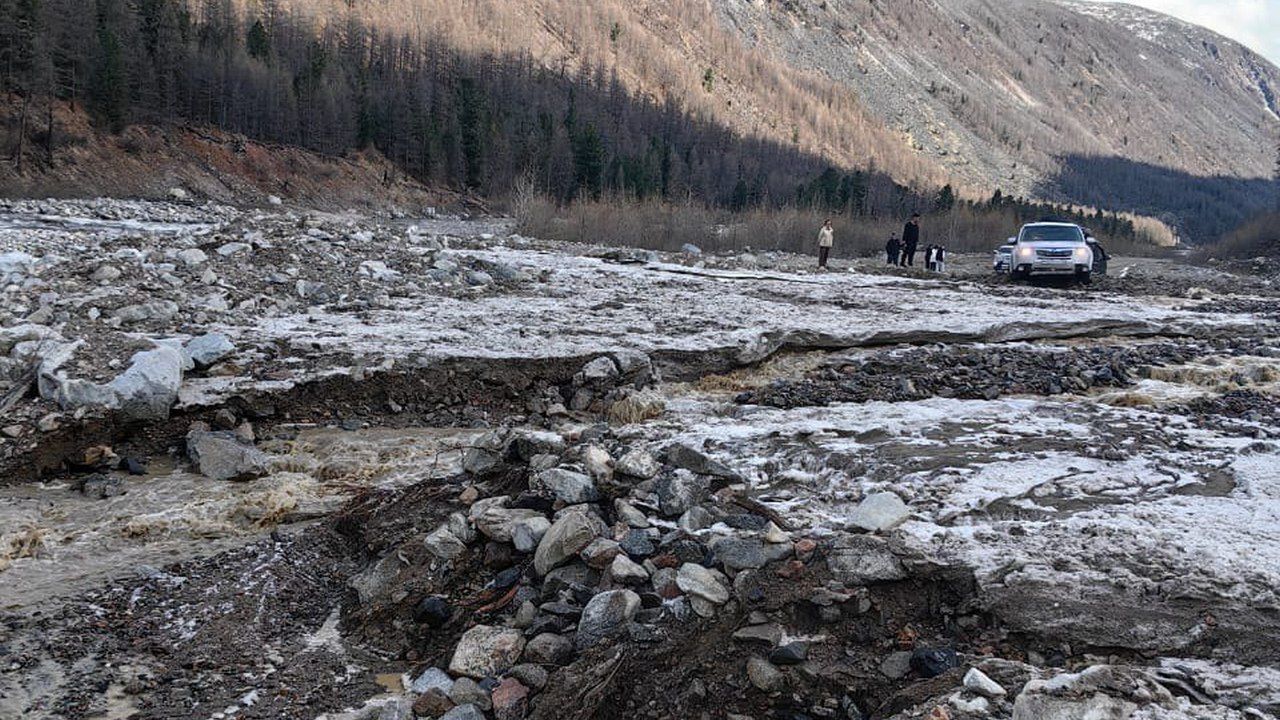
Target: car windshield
[{"x": 1051, "y": 233}]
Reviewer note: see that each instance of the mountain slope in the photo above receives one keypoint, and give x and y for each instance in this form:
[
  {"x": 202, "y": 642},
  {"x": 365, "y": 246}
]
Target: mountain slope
[{"x": 999, "y": 90}]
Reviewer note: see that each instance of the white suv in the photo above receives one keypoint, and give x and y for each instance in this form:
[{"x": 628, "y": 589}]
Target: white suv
[{"x": 1051, "y": 248}]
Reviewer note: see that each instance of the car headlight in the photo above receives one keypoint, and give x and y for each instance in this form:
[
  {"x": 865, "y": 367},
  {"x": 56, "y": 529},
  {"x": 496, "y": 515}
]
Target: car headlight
[
  {"x": 1082, "y": 254},
  {"x": 1026, "y": 252}
]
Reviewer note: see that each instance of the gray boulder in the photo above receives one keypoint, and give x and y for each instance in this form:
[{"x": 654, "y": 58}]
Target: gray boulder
[
  {"x": 209, "y": 349},
  {"x": 605, "y": 616},
  {"x": 485, "y": 650},
  {"x": 568, "y": 535},
  {"x": 864, "y": 559},
  {"x": 880, "y": 512},
  {"x": 220, "y": 455},
  {"x": 567, "y": 486},
  {"x": 681, "y": 490}
]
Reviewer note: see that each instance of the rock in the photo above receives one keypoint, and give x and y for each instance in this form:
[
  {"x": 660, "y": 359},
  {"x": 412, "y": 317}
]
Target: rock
[
  {"x": 160, "y": 310},
  {"x": 696, "y": 461},
  {"x": 896, "y": 665},
  {"x": 466, "y": 691},
  {"x": 432, "y": 704},
  {"x": 599, "y": 553},
  {"x": 691, "y": 249},
  {"x": 793, "y": 653},
  {"x": 145, "y": 391},
  {"x": 768, "y": 634},
  {"x": 432, "y": 679},
  {"x": 977, "y": 681},
  {"x": 532, "y": 676},
  {"x": 573, "y": 531},
  {"x": 100, "y": 486},
  {"x": 567, "y": 486},
  {"x": 764, "y": 676},
  {"x": 863, "y": 559},
  {"x": 443, "y": 544},
  {"x": 464, "y": 712},
  {"x": 932, "y": 662},
  {"x": 626, "y": 571},
  {"x": 49, "y": 422},
  {"x": 637, "y": 544},
  {"x": 13, "y": 431},
  {"x": 739, "y": 553},
  {"x": 133, "y": 465},
  {"x": 700, "y": 582},
  {"x": 485, "y": 454},
  {"x": 597, "y": 463},
  {"x": 605, "y": 616},
  {"x": 510, "y": 699},
  {"x": 233, "y": 248},
  {"x": 432, "y": 611},
  {"x": 549, "y": 649},
  {"x": 680, "y": 491},
  {"x": 399, "y": 708},
  {"x": 106, "y": 274},
  {"x": 209, "y": 349},
  {"x": 527, "y": 533},
  {"x": 696, "y": 518},
  {"x": 880, "y": 512},
  {"x": 178, "y": 193},
  {"x": 495, "y": 520},
  {"x": 274, "y": 200},
  {"x": 192, "y": 257},
  {"x": 461, "y": 527},
  {"x": 602, "y": 368},
  {"x": 485, "y": 650},
  {"x": 528, "y": 443},
  {"x": 220, "y": 455},
  {"x": 638, "y": 464}
]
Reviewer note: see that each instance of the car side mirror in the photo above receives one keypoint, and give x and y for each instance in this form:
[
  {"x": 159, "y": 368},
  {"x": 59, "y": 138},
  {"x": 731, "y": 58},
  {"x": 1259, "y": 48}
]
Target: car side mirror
[{"x": 1013, "y": 240}]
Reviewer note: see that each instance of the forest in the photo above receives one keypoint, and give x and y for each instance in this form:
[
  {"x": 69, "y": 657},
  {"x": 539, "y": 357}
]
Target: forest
[{"x": 474, "y": 121}]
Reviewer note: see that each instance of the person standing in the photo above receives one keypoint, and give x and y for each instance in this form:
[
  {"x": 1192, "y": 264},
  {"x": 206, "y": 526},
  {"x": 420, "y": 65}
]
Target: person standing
[
  {"x": 940, "y": 258},
  {"x": 910, "y": 240},
  {"x": 826, "y": 239},
  {"x": 893, "y": 249}
]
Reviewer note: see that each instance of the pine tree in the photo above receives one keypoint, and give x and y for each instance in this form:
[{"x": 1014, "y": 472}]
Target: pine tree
[{"x": 588, "y": 161}]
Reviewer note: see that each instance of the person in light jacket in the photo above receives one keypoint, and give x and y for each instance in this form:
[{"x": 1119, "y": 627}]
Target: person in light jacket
[{"x": 826, "y": 238}]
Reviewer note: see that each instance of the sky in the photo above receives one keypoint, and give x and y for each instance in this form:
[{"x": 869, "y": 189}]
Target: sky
[{"x": 1255, "y": 23}]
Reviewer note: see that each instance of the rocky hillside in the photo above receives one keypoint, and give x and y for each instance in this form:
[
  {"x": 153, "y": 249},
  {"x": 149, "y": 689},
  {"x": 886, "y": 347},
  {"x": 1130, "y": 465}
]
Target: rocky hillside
[{"x": 999, "y": 91}]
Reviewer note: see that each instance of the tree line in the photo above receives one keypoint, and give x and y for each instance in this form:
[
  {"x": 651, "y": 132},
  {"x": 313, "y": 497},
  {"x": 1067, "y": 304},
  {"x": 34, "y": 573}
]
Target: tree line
[{"x": 444, "y": 116}]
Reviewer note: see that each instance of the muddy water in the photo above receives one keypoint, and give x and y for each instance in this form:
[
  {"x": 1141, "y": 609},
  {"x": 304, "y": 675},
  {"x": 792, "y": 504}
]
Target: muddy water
[{"x": 55, "y": 542}]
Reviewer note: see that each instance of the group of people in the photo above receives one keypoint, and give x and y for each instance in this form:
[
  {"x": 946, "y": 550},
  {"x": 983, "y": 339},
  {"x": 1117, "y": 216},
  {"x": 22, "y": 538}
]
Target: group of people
[{"x": 900, "y": 253}]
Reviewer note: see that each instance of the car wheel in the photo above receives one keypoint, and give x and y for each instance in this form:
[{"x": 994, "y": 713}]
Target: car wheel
[
  {"x": 1084, "y": 278},
  {"x": 1018, "y": 275}
]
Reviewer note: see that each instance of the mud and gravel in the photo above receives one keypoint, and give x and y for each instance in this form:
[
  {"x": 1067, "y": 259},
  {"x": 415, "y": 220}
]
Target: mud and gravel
[{"x": 806, "y": 495}]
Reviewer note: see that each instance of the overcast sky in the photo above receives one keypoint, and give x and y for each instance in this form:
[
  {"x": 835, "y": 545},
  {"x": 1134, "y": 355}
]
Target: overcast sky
[{"x": 1255, "y": 23}]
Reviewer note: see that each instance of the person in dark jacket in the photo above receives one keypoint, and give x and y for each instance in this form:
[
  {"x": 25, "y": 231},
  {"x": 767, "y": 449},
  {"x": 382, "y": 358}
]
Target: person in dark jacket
[
  {"x": 893, "y": 249},
  {"x": 910, "y": 240}
]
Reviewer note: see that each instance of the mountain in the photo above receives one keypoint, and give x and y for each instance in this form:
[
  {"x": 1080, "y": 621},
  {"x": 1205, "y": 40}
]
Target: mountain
[
  {"x": 728, "y": 101},
  {"x": 1031, "y": 95}
]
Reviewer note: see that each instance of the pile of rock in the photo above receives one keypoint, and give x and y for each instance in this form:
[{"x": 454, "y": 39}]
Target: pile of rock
[{"x": 600, "y": 543}]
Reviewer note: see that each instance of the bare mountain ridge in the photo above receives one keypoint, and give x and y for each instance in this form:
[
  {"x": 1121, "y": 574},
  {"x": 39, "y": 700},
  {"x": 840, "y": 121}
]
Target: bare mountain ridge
[{"x": 998, "y": 91}]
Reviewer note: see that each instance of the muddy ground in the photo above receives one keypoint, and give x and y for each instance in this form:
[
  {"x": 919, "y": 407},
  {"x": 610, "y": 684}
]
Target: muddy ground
[{"x": 805, "y": 494}]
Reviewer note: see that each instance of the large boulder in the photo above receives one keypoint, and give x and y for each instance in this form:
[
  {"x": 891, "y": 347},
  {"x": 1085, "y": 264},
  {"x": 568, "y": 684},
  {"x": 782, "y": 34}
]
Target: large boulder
[
  {"x": 496, "y": 521},
  {"x": 681, "y": 490},
  {"x": 880, "y": 512},
  {"x": 220, "y": 455},
  {"x": 567, "y": 486},
  {"x": 569, "y": 534},
  {"x": 863, "y": 559},
  {"x": 485, "y": 651},
  {"x": 145, "y": 391},
  {"x": 605, "y": 616}
]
